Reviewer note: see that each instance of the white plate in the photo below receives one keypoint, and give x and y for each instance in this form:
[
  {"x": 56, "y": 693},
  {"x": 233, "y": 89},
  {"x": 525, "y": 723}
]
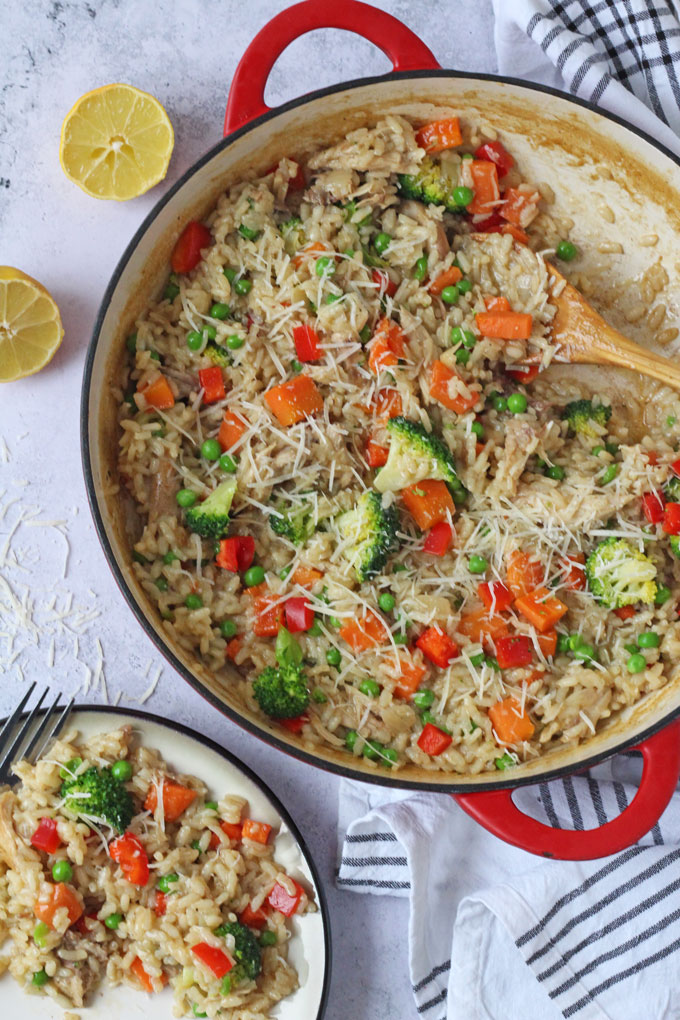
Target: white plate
[{"x": 309, "y": 946}]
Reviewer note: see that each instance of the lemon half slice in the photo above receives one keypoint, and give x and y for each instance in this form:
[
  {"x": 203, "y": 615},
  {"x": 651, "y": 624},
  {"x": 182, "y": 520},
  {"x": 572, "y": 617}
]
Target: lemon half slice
[
  {"x": 116, "y": 142},
  {"x": 30, "y": 325}
]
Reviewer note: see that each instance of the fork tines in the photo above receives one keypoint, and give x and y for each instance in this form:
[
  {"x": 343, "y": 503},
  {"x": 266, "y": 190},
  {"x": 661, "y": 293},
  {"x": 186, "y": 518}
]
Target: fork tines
[{"x": 26, "y": 734}]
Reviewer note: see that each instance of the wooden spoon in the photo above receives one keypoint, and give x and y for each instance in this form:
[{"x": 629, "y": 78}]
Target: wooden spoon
[{"x": 584, "y": 337}]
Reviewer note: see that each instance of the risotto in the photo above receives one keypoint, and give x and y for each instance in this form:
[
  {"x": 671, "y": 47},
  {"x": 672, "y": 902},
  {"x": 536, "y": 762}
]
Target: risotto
[
  {"x": 113, "y": 869},
  {"x": 356, "y": 486}
]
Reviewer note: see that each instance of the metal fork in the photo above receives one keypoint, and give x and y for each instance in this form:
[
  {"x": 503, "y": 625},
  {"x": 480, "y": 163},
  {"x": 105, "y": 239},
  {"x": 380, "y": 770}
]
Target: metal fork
[{"x": 34, "y": 733}]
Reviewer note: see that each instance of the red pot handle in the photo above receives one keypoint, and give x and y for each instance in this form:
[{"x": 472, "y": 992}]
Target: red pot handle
[
  {"x": 399, "y": 43},
  {"x": 661, "y": 767}
]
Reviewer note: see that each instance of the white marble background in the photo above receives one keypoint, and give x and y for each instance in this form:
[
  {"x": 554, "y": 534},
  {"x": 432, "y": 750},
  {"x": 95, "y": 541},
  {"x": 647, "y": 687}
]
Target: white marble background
[{"x": 184, "y": 52}]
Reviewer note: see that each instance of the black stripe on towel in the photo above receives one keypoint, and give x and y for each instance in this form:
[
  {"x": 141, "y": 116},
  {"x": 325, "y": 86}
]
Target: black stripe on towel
[
  {"x": 372, "y": 837},
  {"x": 441, "y": 968},
  {"x": 374, "y": 884},
  {"x": 370, "y": 862},
  {"x": 441, "y": 997}
]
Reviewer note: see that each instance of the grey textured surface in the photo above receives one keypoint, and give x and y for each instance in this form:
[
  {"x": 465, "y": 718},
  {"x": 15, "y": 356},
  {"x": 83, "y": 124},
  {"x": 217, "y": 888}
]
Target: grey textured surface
[{"x": 184, "y": 53}]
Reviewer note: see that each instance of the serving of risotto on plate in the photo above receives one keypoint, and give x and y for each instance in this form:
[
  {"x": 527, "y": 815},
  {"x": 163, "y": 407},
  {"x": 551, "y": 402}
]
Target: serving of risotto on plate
[
  {"x": 114, "y": 870},
  {"x": 364, "y": 503}
]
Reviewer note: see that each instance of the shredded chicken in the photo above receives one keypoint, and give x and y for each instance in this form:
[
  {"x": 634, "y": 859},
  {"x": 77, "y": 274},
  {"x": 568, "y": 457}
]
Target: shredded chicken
[
  {"x": 12, "y": 850},
  {"x": 521, "y": 441}
]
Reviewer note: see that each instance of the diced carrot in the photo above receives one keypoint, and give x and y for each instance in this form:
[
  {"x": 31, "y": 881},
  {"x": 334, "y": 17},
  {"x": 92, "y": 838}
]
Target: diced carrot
[
  {"x": 517, "y": 232},
  {"x": 482, "y": 628},
  {"x": 479, "y": 448},
  {"x": 234, "y": 647},
  {"x": 158, "y": 394},
  {"x": 311, "y": 251},
  {"x": 494, "y": 303},
  {"x": 440, "y": 378},
  {"x": 160, "y": 903},
  {"x": 295, "y": 400},
  {"x": 386, "y": 404},
  {"x": 234, "y": 830},
  {"x": 253, "y": 918},
  {"x": 510, "y": 722},
  {"x": 409, "y": 678},
  {"x": 364, "y": 632},
  {"x": 55, "y": 896},
  {"x": 504, "y": 325},
  {"x": 258, "y": 832},
  {"x": 524, "y": 573},
  {"x": 387, "y": 346},
  {"x": 428, "y": 502},
  {"x": 485, "y": 185},
  {"x": 145, "y": 980},
  {"x": 129, "y": 853},
  {"x": 625, "y": 612},
  {"x": 446, "y": 279},
  {"x": 376, "y": 455},
  {"x": 574, "y": 572},
  {"x": 438, "y": 647},
  {"x": 176, "y": 798},
  {"x": 652, "y": 457},
  {"x": 519, "y": 207},
  {"x": 306, "y": 577},
  {"x": 231, "y": 430},
  {"x": 440, "y": 135},
  {"x": 547, "y": 642},
  {"x": 211, "y": 382},
  {"x": 541, "y": 609},
  {"x": 267, "y": 618}
]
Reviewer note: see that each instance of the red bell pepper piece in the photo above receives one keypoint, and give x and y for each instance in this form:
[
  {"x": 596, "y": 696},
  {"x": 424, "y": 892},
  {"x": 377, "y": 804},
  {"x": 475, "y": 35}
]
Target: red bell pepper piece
[
  {"x": 160, "y": 904},
  {"x": 433, "y": 740},
  {"x": 299, "y": 614},
  {"x": 253, "y": 918},
  {"x": 376, "y": 455},
  {"x": 675, "y": 466},
  {"x": 307, "y": 343},
  {"x": 490, "y": 224},
  {"x": 128, "y": 852},
  {"x": 523, "y": 373},
  {"x": 438, "y": 539},
  {"x": 187, "y": 252},
  {"x": 513, "y": 651},
  {"x": 495, "y": 593},
  {"x": 671, "y": 519},
  {"x": 46, "y": 836},
  {"x": 176, "y": 798},
  {"x": 653, "y": 504},
  {"x": 438, "y": 647},
  {"x": 495, "y": 152},
  {"x": 212, "y": 958},
  {"x": 295, "y": 724},
  {"x": 280, "y": 899},
  {"x": 236, "y": 553},
  {"x": 624, "y": 612},
  {"x": 212, "y": 384},
  {"x": 384, "y": 282}
]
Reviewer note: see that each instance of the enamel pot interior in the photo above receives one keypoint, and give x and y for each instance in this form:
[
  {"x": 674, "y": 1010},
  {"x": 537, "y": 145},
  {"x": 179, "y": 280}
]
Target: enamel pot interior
[{"x": 591, "y": 162}]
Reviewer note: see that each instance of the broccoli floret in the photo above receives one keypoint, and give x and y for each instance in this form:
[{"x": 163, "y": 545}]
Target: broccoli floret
[
  {"x": 211, "y": 517},
  {"x": 281, "y": 691},
  {"x": 293, "y": 235},
  {"x": 296, "y": 522},
  {"x": 218, "y": 355},
  {"x": 672, "y": 489},
  {"x": 433, "y": 184},
  {"x": 416, "y": 454},
  {"x": 246, "y": 950},
  {"x": 674, "y": 541},
  {"x": 372, "y": 531},
  {"x": 619, "y": 575},
  {"x": 582, "y": 414},
  {"x": 97, "y": 795}
]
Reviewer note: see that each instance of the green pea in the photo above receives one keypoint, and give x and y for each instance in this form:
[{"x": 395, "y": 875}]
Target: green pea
[
  {"x": 39, "y": 978},
  {"x": 193, "y": 602},
  {"x": 219, "y": 310},
  {"x": 612, "y": 448},
  {"x": 400, "y": 639},
  {"x": 121, "y": 770},
  {"x": 478, "y": 429},
  {"x": 575, "y": 640},
  {"x": 387, "y": 602},
  {"x": 234, "y": 341},
  {"x": 382, "y": 242},
  {"x": 70, "y": 767},
  {"x": 388, "y": 756},
  {"x": 399, "y": 568},
  {"x": 131, "y": 343},
  {"x": 40, "y": 933},
  {"x": 211, "y": 805},
  {"x": 609, "y": 474},
  {"x": 636, "y": 663},
  {"x": 597, "y": 450},
  {"x": 325, "y": 266},
  {"x": 62, "y": 871},
  {"x": 365, "y": 333},
  {"x": 562, "y": 643},
  {"x": 506, "y": 762},
  {"x": 319, "y": 696},
  {"x": 228, "y": 463},
  {"x": 351, "y": 738},
  {"x": 631, "y": 648},
  {"x": 372, "y": 749},
  {"x": 196, "y": 845},
  {"x": 467, "y": 155},
  {"x": 469, "y": 339},
  {"x": 209, "y": 332},
  {"x": 462, "y": 356},
  {"x": 670, "y": 421},
  {"x": 428, "y": 717},
  {"x": 477, "y": 564},
  {"x": 556, "y": 471},
  {"x": 228, "y": 629},
  {"x": 248, "y": 232},
  {"x": 333, "y": 657},
  {"x": 332, "y": 298},
  {"x": 477, "y": 660},
  {"x": 464, "y": 286},
  {"x": 662, "y": 595},
  {"x": 650, "y": 639},
  {"x": 253, "y": 575},
  {"x": 186, "y": 497},
  {"x": 211, "y": 449},
  {"x": 499, "y": 402},
  {"x": 421, "y": 267},
  {"x": 450, "y": 295},
  {"x": 230, "y": 273},
  {"x": 194, "y": 340},
  {"x": 170, "y": 557},
  {"x": 171, "y": 291},
  {"x": 268, "y": 938},
  {"x": 491, "y": 662},
  {"x": 315, "y": 630},
  {"x": 423, "y": 699},
  {"x": 462, "y": 196},
  {"x": 165, "y": 881},
  {"x": 334, "y": 622},
  {"x": 370, "y": 688},
  {"x": 283, "y": 574},
  {"x": 243, "y": 286},
  {"x": 585, "y": 652},
  {"x": 517, "y": 403},
  {"x": 296, "y": 365},
  {"x": 154, "y": 355},
  {"x": 566, "y": 251}
]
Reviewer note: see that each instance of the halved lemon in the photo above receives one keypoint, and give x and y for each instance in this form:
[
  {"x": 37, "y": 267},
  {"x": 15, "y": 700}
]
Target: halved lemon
[
  {"x": 116, "y": 142},
  {"x": 30, "y": 325}
]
